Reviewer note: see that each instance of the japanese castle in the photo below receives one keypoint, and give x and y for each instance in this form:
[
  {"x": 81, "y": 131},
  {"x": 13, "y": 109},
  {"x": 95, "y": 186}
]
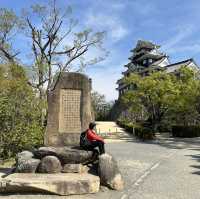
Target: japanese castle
[{"x": 146, "y": 58}]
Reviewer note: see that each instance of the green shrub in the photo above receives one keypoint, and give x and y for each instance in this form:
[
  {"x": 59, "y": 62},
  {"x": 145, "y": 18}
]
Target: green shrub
[
  {"x": 141, "y": 132},
  {"x": 185, "y": 131},
  {"x": 127, "y": 125},
  {"x": 129, "y": 128},
  {"x": 20, "y": 115},
  {"x": 144, "y": 133}
]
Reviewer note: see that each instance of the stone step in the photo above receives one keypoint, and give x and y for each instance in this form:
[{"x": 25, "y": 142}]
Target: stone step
[{"x": 60, "y": 183}]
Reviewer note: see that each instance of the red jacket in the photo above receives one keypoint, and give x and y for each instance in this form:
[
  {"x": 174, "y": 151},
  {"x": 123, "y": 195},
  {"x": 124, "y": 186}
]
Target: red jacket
[{"x": 92, "y": 136}]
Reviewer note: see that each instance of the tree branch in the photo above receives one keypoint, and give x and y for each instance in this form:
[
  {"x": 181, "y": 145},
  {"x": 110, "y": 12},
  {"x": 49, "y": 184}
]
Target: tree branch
[{"x": 62, "y": 69}]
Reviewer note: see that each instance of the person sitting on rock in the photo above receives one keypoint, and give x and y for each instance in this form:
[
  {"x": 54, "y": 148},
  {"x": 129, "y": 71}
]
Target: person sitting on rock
[{"x": 94, "y": 139}]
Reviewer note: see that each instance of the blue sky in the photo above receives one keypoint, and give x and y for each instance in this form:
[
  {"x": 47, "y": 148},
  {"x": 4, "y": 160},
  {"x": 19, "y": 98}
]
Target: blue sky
[{"x": 173, "y": 24}]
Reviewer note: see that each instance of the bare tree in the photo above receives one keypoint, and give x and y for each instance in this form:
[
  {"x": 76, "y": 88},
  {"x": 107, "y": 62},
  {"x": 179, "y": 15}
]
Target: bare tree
[
  {"x": 56, "y": 44},
  {"x": 55, "y": 47}
]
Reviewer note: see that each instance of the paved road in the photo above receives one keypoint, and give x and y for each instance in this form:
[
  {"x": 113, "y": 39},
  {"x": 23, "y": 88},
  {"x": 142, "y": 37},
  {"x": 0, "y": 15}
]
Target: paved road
[
  {"x": 106, "y": 127},
  {"x": 161, "y": 169}
]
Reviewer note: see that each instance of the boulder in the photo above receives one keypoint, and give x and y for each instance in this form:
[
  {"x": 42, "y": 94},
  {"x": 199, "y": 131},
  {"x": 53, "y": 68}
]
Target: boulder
[
  {"x": 44, "y": 151},
  {"x": 24, "y": 155},
  {"x": 109, "y": 172},
  {"x": 28, "y": 165},
  {"x": 74, "y": 156},
  {"x": 59, "y": 183},
  {"x": 50, "y": 164},
  {"x": 75, "y": 168},
  {"x": 67, "y": 155}
]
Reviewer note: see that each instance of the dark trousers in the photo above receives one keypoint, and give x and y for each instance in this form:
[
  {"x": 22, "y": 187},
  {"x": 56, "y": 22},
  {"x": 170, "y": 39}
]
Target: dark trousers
[{"x": 98, "y": 144}]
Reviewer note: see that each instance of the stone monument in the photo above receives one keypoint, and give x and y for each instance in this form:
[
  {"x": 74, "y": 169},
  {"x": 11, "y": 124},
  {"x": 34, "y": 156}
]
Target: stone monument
[
  {"x": 57, "y": 167},
  {"x": 69, "y": 110}
]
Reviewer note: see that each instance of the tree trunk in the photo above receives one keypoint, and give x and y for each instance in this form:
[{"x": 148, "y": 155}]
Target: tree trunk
[
  {"x": 43, "y": 98},
  {"x": 155, "y": 127}
]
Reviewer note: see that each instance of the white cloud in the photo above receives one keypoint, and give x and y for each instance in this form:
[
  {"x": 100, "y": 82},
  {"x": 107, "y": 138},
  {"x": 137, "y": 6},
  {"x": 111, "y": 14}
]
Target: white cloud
[
  {"x": 104, "y": 81},
  {"x": 174, "y": 43},
  {"x": 180, "y": 42},
  {"x": 143, "y": 7},
  {"x": 112, "y": 24},
  {"x": 118, "y": 5},
  {"x": 104, "y": 78},
  {"x": 193, "y": 49},
  {"x": 119, "y": 32},
  {"x": 107, "y": 15}
]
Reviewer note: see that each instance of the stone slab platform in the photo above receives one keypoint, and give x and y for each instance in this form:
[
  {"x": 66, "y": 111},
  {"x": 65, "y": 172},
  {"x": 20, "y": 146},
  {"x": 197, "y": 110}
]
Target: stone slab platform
[{"x": 60, "y": 184}]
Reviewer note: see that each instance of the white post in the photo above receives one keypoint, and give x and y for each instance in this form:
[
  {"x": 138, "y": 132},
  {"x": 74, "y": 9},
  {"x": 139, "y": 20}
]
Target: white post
[{"x": 133, "y": 131}]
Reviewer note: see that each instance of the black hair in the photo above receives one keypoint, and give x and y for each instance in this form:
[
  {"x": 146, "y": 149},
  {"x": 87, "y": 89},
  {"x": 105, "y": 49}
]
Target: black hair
[{"x": 92, "y": 125}]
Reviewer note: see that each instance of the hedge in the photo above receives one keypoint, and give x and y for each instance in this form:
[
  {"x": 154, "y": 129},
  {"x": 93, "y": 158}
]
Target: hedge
[
  {"x": 144, "y": 133},
  {"x": 128, "y": 126},
  {"x": 185, "y": 131},
  {"x": 140, "y": 132}
]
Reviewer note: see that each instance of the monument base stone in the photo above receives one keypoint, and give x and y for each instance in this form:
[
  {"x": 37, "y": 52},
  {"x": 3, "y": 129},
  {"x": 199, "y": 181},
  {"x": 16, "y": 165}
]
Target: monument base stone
[{"x": 60, "y": 183}]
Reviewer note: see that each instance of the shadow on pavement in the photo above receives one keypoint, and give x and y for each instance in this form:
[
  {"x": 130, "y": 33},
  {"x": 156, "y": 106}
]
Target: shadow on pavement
[
  {"x": 4, "y": 172},
  {"x": 167, "y": 141},
  {"x": 195, "y": 157},
  {"x": 162, "y": 139},
  {"x": 178, "y": 143}
]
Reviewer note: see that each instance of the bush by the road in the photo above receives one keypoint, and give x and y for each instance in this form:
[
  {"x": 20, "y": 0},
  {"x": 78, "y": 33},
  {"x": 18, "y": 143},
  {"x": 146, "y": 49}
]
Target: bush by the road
[
  {"x": 144, "y": 133},
  {"x": 185, "y": 131},
  {"x": 127, "y": 125},
  {"x": 140, "y": 131}
]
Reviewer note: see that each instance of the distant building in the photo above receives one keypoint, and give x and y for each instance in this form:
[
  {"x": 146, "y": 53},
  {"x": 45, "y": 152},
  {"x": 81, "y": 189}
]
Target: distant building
[{"x": 146, "y": 58}]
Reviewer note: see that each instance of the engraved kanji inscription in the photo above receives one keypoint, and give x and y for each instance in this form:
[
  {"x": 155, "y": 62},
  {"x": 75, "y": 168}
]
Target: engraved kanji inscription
[{"x": 69, "y": 116}]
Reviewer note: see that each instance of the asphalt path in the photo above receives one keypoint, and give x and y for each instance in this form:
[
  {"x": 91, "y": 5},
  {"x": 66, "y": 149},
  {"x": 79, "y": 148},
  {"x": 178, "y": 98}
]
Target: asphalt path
[{"x": 165, "y": 168}]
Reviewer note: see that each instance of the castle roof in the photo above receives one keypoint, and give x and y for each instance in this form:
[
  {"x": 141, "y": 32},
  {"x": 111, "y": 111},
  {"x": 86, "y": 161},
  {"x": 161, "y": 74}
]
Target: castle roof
[
  {"x": 150, "y": 55},
  {"x": 178, "y": 65},
  {"x": 184, "y": 62},
  {"x": 144, "y": 44},
  {"x": 158, "y": 62}
]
